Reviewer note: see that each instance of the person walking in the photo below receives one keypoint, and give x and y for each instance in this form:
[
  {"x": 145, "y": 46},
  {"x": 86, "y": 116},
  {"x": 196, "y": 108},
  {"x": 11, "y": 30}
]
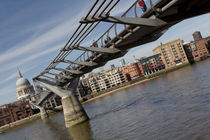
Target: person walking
[
  {"x": 95, "y": 44},
  {"x": 141, "y": 4}
]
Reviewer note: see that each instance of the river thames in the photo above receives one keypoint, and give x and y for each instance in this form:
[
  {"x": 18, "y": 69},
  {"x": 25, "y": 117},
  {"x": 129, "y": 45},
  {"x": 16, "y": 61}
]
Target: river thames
[{"x": 173, "y": 106}]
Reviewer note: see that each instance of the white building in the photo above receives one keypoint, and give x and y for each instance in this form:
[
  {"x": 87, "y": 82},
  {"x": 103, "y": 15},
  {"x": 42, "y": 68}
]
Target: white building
[
  {"x": 24, "y": 90},
  {"x": 106, "y": 80}
]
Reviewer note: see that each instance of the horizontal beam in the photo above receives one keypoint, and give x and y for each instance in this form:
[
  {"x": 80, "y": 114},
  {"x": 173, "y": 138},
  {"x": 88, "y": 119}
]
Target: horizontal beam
[
  {"x": 38, "y": 79},
  {"x": 43, "y": 97},
  {"x": 54, "y": 79},
  {"x": 91, "y": 64},
  {"x": 99, "y": 50},
  {"x": 71, "y": 71},
  {"x": 60, "y": 75},
  {"x": 127, "y": 20},
  {"x": 52, "y": 87}
]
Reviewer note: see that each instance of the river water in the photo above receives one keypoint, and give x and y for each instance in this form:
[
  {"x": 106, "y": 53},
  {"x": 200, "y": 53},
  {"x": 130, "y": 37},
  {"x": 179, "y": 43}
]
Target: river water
[{"x": 173, "y": 106}]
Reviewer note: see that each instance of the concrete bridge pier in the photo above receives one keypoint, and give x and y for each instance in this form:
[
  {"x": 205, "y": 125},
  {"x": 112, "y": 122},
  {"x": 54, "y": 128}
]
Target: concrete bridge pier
[
  {"x": 73, "y": 111},
  {"x": 43, "y": 113}
]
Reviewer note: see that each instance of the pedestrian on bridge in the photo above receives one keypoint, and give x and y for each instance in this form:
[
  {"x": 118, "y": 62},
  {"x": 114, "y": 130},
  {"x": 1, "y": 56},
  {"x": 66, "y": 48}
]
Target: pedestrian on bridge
[
  {"x": 95, "y": 44},
  {"x": 107, "y": 40},
  {"x": 141, "y": 4}
]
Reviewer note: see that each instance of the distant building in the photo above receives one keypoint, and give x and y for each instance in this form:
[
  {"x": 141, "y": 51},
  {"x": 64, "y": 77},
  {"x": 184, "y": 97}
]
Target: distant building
[
  {"x": 209, "y": 32},
  {"x": 152, "y": 64},
  {"x": 106, "y": 80},
  {"x": 14, "y": 111},
  {"x": 172, "y": 53},
  {"x": 112, "y": 66},
  {"x": 115, "y": 77},
  {"x": 197, "y": 36},
  {"x": 134, "y": 58},
  {"x": 24, "y": 89},
  {"x": 122, "y": 62},
  {"x": 199, "y": 49},
  {"x": 208, "y": 41},
  {"x": 188, "y": 51},
  {"x": 51, "y": 102},
  {"x": 132, "y": 71},
  {"x": 83, "y": 87}
]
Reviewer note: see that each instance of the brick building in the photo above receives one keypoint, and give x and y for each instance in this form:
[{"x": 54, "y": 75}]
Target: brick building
[
  {"x": 199, "y": 49},
  {"x": 173, "y": 53},
  {"x": 14, "y": 111},
  {"x": 197, "y": 36},
  {"x": 208, "y": 41},
  {"x": 132, "y": 71}
]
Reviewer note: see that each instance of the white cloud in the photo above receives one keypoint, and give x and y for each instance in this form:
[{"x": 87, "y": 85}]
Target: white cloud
[
  {"x": 43, "y": 41},
  {"x": 19, "y": 62}
]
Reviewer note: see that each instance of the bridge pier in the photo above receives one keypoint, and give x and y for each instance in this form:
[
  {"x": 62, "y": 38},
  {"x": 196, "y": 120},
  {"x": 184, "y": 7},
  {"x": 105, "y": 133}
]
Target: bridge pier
[
  {"x": 73, "y": 111},
  {"x": 43, "y": 114}
]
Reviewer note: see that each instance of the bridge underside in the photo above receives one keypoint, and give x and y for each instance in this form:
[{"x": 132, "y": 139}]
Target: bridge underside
[{"x": 152, "y": 24}]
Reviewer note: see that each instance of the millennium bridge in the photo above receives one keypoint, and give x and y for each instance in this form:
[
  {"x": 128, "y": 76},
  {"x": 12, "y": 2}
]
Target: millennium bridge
[{"x": 80, "y": 56}]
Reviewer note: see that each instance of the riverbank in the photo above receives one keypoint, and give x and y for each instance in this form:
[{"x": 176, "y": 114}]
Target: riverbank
[
  {"x": 28, "y": 120},
  {"x": 20, "y": 122},
  {"x": 95, "y": 96},
  {"x": 132, "y": 83}
]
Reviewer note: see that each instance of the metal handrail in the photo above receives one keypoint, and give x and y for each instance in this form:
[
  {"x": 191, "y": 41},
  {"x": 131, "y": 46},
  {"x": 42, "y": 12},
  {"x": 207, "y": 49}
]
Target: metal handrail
[{"x": 81, "y": 35}]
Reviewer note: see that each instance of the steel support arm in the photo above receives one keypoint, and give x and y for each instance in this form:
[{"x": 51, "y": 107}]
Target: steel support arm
[
  {"x": 44, "y": 96},
  {"x": 91, "y": 64},
  {"x": 126, "y": 20},
  {"x": 54, "y": 79},
  {"x": 99, "y": 50},
  {"x": 71, "y": 71},
  {"x": 52, "y": 87},
  {"x": 60, "y": 75}
]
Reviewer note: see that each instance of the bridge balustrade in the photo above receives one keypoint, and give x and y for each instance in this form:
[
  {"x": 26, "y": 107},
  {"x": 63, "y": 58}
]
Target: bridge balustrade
[{"x": 112, "y": 35}]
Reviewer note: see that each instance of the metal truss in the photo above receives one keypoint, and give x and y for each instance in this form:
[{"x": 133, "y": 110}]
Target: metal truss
[{"x": 136, "y": 30}]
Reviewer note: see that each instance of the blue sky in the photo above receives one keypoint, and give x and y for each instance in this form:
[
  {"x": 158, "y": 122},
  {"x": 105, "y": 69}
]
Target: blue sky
[{"x": 32, "y": 32}]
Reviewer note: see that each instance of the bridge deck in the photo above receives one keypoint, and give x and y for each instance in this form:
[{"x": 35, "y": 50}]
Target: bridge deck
[{"x": 169, "y": 11}]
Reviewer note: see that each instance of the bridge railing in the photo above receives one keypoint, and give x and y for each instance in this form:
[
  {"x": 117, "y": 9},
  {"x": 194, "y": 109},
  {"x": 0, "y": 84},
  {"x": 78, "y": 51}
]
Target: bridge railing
[
  {"x": 114, "y": 30},
  {"x": 85, "y": 30}
]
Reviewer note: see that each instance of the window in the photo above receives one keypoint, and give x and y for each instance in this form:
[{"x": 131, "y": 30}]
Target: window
[
  {"x": 193, "y": 47},
  {"x": 20, "y": 93}
]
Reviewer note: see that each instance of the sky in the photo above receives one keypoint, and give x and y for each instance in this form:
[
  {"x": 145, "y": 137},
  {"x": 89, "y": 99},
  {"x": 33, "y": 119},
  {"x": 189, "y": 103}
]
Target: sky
[{"x": 32, "y": 33}]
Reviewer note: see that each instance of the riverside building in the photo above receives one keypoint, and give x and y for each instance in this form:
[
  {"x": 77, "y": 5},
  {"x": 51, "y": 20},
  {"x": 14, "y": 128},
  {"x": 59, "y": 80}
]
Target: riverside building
[
  {"x": 25, "y": 92},
  {"x": 152, "y": 64},
  {"x": 106, "y": 80},
  {"x": 199, "y": 47},
  {"x": 172, "y": 53},
  {"x": 132, "y": 71},
  {"x": 14, "y": 111}
]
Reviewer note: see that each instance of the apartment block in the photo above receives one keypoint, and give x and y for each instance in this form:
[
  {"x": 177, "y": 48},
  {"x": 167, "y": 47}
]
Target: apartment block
[
  {"x": 199, "y": 49},
  {"x": 152, "y": 64},
  {"x": 172, "y": 53},
  {"x": 106, "y": 79},
  {"x": 132, "y": 71},
  {"x": 14, "y": 111}
]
